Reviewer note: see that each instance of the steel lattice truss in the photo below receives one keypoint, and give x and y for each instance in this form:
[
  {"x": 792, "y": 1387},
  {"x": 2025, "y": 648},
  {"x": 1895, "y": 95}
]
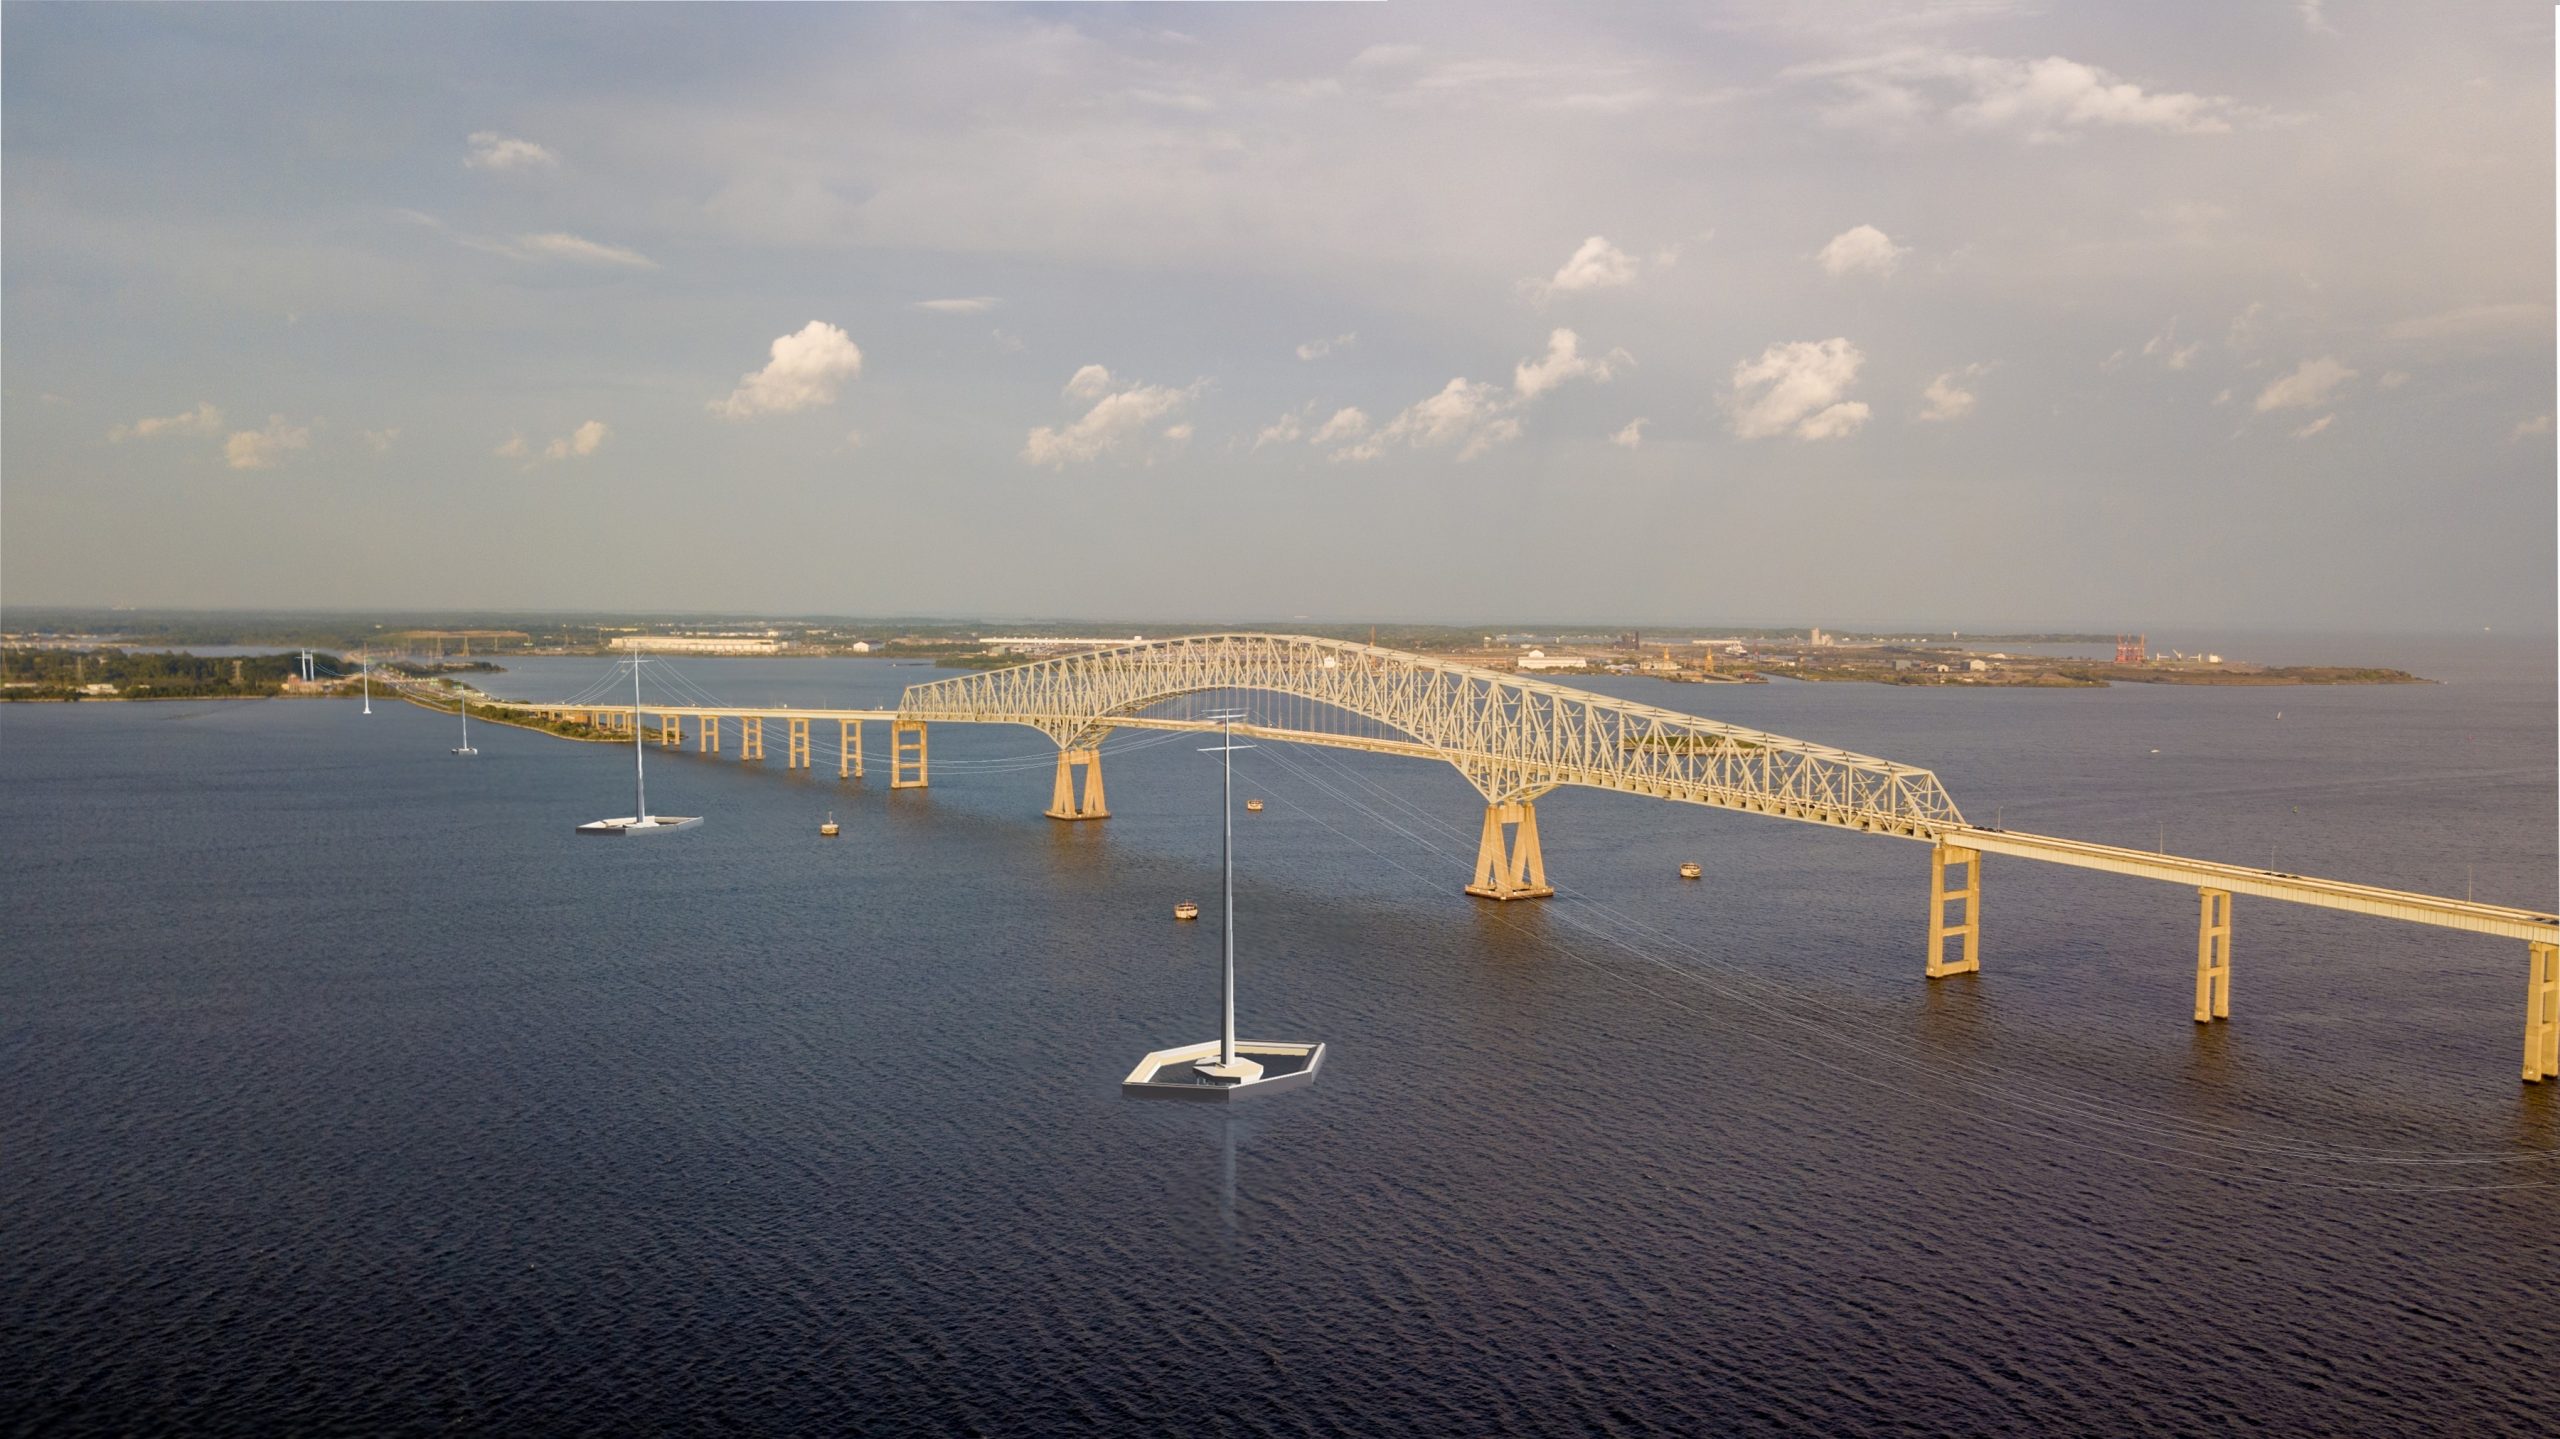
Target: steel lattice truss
[{"x": 1513, "y": 738}]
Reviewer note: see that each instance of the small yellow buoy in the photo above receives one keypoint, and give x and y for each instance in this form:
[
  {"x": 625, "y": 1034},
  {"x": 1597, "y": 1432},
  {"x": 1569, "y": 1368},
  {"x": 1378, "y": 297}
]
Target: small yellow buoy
[
  {"x": 829, "y": 828},
  {"x": 1253, "y": 806},
  {"x": 1690, "y": 870},
  {"x": 1186, "y": 910}
]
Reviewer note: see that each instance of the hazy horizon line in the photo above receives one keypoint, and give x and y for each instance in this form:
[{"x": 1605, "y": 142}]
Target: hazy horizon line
[{"x": 1258, "y": 623}]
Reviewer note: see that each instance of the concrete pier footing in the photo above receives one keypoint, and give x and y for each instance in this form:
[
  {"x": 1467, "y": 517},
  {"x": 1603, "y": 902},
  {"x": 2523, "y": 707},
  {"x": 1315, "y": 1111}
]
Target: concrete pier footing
[
  {"x": 1509, "y": 864},
  {"x": 2213, "y": 956},
  {"x": 1943, "y": 857},
  {"x": 907, "y": 755},
  {"x": 1063, "y": 800}
]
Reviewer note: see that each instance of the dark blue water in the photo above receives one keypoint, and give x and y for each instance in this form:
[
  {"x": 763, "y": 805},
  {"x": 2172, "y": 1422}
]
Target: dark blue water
[{"x": 346, "y": 1090}]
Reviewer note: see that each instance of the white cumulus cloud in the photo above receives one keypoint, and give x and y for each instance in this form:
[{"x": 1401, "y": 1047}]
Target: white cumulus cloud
[
  {"x": 805, "y": 370},
  {"x": 1834, "y": 422},
  {"x": 2315, "y": 427},
  {"x": 2309, "y": 386},
  {"x": 1597, "y": 265},
  {"x": 578, "y": 443},
  {"x": 1287, "y": 429},
  {"x": 1118, "y": 417},
  {"x": 381, "y": 440},
  {"x": 1632, "y": 437},
  {"x": 493, "y": 151},
  {"x": 1563, "y": 361},
  {"x": 2044, "y": 100},
  {"x": 1344, "y": 425},
  {"x": 260, "y": 449},
  {"x": 1469, "y": 414},
  {"x": 1946, "y": 398},
  {"x": 2538, "y": 425},
  {"x": 1318, "y": 349},
  {"x": 204, "y": 419},
  {"x": 1800, "y": 386},
  {"x": 1348, "y": 423},
  {"x": 965, "y": 305},
  {"x": 1863, "y": 249}
]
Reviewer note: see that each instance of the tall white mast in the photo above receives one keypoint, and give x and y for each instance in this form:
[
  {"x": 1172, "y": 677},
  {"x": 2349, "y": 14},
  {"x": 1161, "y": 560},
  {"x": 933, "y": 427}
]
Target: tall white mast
[
  {"x": 365, "y": 659},
  {"x": 1227, "y": 926},
  {"x": 639, "y": 751},
  {"x": 1220, "y": 1069}
]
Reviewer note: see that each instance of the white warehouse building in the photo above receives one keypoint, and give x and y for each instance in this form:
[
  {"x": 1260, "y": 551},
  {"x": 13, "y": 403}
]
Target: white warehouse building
[{"x": 698, "y": 644}]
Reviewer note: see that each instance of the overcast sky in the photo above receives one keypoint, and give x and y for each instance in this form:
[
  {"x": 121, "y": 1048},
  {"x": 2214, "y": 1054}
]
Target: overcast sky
[{"x": 1960, "y": 313}]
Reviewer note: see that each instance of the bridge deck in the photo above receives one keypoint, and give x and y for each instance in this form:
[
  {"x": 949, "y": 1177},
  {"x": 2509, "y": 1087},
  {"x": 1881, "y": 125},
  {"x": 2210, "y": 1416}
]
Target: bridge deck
[
  {"x": 2337, "y": 894},
  {"x": 2462, "y": 914},
  {"x": 695, "y": 711}
]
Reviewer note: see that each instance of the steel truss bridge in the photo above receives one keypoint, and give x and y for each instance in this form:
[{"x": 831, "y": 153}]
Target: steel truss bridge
[{"x": 1515, "y": 739}]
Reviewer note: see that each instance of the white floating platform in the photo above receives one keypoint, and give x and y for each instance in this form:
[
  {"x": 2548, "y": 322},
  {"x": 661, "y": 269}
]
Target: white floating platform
[
  {"x": 645, "y": 824},
  {"x": 1264, "y": 1067}
]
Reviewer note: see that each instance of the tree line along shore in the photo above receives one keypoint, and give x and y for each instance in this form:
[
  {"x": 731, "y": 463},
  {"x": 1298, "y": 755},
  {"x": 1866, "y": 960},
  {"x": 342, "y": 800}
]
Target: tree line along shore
[
  {"x": 114, "y": 673},
  {"x": 104, "y": 674}
]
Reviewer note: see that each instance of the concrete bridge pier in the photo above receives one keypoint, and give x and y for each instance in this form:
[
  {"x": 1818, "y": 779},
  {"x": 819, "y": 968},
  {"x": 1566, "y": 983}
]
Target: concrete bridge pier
[
  {"x": 1063, "y": 803},
  {"x": 750, "y": 738},
  {"x": 710, "y": 734},
  {"x": 1941, "y": 857},
  {"x": 797, "y": 734},
  {"x": 670, "y": 730},
  {"x": 2542, "y": 1014},
  {"x": 1508, "y": 862},
  {"x": 849, "y": 749},
  {"x": 907, "y": 747},
  {"x": 2213, "y": 957}
]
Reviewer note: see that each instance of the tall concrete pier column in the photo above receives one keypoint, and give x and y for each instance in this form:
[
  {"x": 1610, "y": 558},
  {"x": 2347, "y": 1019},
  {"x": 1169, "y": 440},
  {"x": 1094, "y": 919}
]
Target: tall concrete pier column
[
  {"x": 848, "y": 749},
  {"x": 1970, "y": 897},
  {"x": 750, "y": 738},
  {"x": 2542, "y": 1014},
  {"x": 2213, "y": 957},
  {"x": 670, "y": 730},
  {"x": 797, "y": 757},
  {"x": 1063, "y": 803},
  {"x": 1508, "y": 862},
  {"x": 906, "y": 754},
  {"x": 710, "y": 734}
]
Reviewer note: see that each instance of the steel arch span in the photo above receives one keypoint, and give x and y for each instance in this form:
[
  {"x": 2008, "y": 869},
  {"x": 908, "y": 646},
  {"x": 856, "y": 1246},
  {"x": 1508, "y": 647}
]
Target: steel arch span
[{"x": 1513, "y": 738}]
